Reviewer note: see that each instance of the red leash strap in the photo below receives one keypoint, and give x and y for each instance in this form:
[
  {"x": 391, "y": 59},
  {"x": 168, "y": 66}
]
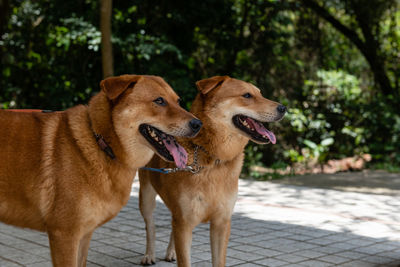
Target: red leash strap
[{"x": 31, "y": 110}]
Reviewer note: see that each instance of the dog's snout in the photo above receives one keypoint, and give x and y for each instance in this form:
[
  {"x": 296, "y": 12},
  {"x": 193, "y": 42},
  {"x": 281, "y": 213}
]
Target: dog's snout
[
  {"x": 195, "y": 125},
  {"x": 281, "y": 109}
]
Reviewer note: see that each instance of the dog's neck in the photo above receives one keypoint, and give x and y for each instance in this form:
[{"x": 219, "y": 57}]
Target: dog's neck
[
  {"x": 99, "y": 111},
  {"x": 220, "y": 144}
]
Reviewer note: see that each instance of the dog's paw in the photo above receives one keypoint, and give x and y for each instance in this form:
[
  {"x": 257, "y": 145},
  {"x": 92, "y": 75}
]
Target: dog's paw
[
  {"x": 171, "y": 256},
  {"x": 148, "y": 260}
]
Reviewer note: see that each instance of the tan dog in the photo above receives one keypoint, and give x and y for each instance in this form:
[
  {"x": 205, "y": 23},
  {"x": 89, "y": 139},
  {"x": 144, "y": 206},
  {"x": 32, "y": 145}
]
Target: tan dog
[
  {"x": 69, "y": 172},
  {"x": 231, "y": 111}
]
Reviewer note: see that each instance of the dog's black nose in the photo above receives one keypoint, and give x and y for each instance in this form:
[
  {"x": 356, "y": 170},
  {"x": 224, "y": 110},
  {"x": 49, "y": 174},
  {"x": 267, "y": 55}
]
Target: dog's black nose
[
  {"x": 281, "y": 109},
  {"x": 195, "y": 125}
]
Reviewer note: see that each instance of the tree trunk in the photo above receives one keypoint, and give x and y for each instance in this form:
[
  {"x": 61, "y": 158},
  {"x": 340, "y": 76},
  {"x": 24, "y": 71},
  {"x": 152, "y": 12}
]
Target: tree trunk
[
  {"x": 4, "y": 10},
  {"x": 106, "y": 46},
  {"x": 368, "y": 48},
  {"x": 4, "y": 14}
]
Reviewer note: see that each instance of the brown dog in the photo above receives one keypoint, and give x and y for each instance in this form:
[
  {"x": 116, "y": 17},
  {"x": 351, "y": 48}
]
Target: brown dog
[
  {"x": 231, "y": 111},
  {"x": 69, "y": 172}
]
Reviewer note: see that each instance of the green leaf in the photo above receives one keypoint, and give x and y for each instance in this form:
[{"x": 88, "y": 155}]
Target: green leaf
[
  {"x": 310, "y": 144},
  {"x": 327, "y": 142}
]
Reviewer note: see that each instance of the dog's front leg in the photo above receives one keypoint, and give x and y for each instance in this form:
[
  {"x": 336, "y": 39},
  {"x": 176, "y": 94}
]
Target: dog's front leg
[
  {"x": 171, "y": 255},
  {"x": 147, "y": 204},
  {"x": 220, "y": 230},
  {"x": 64, "y": 248},
  {"x": 84, "y": 249},
  {"x": 183, "y": 241}
]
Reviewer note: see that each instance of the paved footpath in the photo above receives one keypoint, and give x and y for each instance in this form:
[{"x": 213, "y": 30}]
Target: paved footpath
[{"x": 273, "y": 225}]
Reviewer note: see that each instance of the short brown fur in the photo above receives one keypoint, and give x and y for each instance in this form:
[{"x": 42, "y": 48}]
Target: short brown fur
[
  {"x": 210, "y": 195},
  {"x": 55, "y": 178}
]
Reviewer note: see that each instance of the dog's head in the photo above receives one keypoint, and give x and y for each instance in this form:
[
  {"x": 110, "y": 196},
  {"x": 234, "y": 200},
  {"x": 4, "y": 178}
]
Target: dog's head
[
  {"x": 146, "y": 111},
  {"x": 239, "y": 106}
]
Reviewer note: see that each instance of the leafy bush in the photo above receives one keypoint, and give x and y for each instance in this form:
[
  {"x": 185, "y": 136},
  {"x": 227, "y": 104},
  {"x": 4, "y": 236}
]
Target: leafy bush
[{"x": 333, "y": 120}]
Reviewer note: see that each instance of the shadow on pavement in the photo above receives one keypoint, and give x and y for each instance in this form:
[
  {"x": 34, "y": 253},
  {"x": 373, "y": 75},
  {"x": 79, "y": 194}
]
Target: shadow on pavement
[{"x": 367, "y": 181}]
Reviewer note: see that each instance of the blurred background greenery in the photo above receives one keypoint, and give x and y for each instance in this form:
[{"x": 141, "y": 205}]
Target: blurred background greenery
[{"x": 334, "y": 63}]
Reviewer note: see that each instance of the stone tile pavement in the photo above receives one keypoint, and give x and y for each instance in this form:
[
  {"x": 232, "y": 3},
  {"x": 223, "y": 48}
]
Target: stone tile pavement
[{"x": 273, "y": 225}]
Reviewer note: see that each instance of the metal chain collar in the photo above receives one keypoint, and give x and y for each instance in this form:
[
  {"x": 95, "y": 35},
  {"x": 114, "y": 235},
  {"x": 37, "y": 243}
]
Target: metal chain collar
[{"x": 193, "y": 168}]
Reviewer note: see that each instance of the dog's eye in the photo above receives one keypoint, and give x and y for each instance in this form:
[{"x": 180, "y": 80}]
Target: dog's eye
[
  {"x": 247, "y": 95},
  {"x": 160, "y": 101}
]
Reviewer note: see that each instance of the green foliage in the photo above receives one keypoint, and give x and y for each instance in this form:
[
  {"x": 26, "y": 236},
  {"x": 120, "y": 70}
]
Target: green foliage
[
  {"x": 50, "y": 58},
  {"x": 75, "y": 31},
  {"x": 326, "y": 122},
  {"x": 253, "y": 158}
]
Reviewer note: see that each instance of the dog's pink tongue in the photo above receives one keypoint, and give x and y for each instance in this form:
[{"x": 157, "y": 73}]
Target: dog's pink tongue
[
  {"x": 263, "y": 131},
  {"x": 176, "y": 150}
]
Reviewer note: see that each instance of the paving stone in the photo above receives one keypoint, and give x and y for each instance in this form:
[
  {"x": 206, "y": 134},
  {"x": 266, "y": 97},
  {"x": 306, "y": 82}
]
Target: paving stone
[
  {"x": 248, "y": 248},
  {"x": 201, "y": 264},
  {"x": 315, "y": 263},
  {"x": 105, "y": 260},
  {"x": 23, "y": 258},
  {"x": 318, "y": 234},
  {"x": 274, "y": 242},
  {"x": 382, "y": 247},
  {"x": 43, "y": 264},
  {"x": 343, "y": 246},
  {"x": 8, "y": 263},
  {"x": 202, "y": 248},
  {"x": 247, "y": 265},
  {"x": 366, "y": 250},
  {"x": 233, "y": 262},
  {"x": 106, "y": 249},
  {"x": 340, "y": 237},
  {"x": 311, "y": 254},
  {"x": 328, "y": 250},
  {"x": 291, "y": 258},
  {"x": 288, "y": 248},
  {"x": 270, "y": 262},
  {"x": 88, "y": 264},
  {"x": 321, "y": 241},
  {"x": 361, "y": 241},
  {"x": 244, "y": 256},
  {"x": 334, "y": 259},
  {"x": 300, "y": 237},
  {"x": 268, "y": 252},
  {"x": 291, "y": 265},
  {"x": 389, "y": 254},
  {"x": 137, "y": 259},
  {"x": 358, "y": 264},
  {"x": 353, "y": 255},
  {"x": 202, "y": 255},
  {"x": 377, "y": 259}
]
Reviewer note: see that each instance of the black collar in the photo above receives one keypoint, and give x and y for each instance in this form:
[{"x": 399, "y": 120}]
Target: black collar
[
  {"x": 104, "y": 146},
  {"x": 101, "y": 142}
]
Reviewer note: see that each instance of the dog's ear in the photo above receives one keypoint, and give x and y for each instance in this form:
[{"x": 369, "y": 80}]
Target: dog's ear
[
  {"x": 115, "y": 86},
  {"x": 206, "y": 85}
]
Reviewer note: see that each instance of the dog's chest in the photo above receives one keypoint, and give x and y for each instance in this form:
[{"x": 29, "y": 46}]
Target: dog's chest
[
  {"x": 98, "y": 211},
  {"x": 105, "y": 204},
  {"x": 213, "y": 195}
]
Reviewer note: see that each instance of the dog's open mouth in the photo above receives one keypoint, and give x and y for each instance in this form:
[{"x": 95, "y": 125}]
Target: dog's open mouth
[
  {"x": 255, "y": 129},
  {"x": 165, "y": 145}
]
